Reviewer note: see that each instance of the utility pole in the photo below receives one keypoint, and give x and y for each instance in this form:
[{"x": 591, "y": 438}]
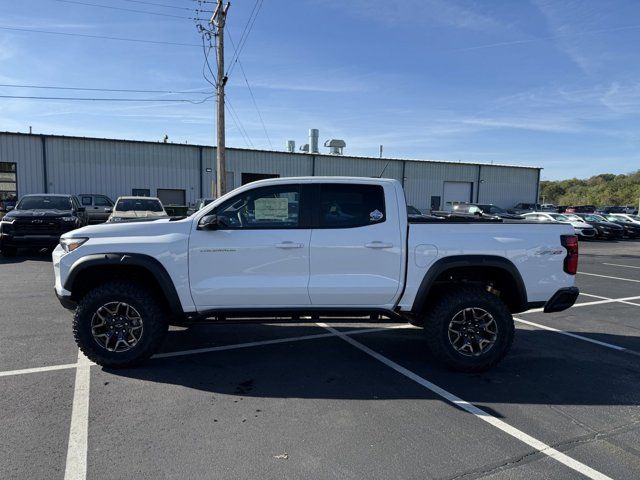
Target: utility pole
[{"x": 218, "y": 20}]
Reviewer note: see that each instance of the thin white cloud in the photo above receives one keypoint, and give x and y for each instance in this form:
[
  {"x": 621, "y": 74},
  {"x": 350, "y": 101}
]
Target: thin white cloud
[{"x": 446, "y": 12}]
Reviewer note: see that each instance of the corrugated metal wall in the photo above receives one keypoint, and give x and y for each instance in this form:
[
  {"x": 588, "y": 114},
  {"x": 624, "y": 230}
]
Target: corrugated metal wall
[
  {"x": 506, "y": 186},
  {"x": 114, "y": 168},
  {"x": 426, "y": 179},
  {"x": 26, "y": 152}
]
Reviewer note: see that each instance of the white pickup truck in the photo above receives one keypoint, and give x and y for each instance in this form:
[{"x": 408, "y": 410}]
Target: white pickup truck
[{"x": 310, "y": 246}]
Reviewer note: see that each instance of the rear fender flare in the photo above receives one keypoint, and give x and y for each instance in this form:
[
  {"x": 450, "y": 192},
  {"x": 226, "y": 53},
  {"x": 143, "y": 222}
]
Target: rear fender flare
[{"x": 480, "y": 261}]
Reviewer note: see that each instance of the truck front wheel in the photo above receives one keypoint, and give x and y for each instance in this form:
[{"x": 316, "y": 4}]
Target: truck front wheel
[
  {"x": 469, "y": 329},
  {"x": 119, "y": 324}
]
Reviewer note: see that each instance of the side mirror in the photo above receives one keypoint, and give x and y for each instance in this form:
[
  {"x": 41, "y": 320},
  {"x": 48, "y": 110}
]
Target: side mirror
[
  {"x": 209, "y": 222},
  {"x": 108, "y": 210}
]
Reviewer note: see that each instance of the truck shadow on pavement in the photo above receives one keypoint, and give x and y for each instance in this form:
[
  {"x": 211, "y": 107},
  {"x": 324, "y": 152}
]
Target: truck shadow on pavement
[
  {"x": 542, "y": 368},
  {"x": 27, "y": 255}
]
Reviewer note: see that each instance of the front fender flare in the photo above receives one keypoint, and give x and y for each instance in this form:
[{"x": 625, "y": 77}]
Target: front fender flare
[{"x": 147, "y": 262}]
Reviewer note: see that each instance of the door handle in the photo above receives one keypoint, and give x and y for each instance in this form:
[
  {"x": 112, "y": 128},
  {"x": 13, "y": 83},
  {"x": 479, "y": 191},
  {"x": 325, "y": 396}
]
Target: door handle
[
  {"x": 378, "y": 244},
  {"x": 289, "y": 245}
]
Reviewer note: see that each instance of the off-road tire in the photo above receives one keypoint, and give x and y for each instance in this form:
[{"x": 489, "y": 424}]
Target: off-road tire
[
  {"x": 154, "y": 320},
  {"x": 440, "y": 314}
]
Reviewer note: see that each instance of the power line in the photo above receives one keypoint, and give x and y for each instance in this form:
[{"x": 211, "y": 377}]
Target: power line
[
  {"x": 164, "y": 5},
  {"x": 75, "y": 2},
  {"x": 238, "y": 123},
  {"x": 245, "y": 34},
  {"x": 101, "y": 37},
  {"x": 253, "y": 98},
  {"x": 91, "y": 99},
  {"x": 87, "y": 89}
]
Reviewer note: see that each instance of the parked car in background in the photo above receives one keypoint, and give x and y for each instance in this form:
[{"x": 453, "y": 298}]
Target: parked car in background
[
  {"x": 580, "y": 209},
  {"x": 605, "y": 229},
  {"x": 631, "y": 229},
  {"x": 525, "y": 208},
  {"x": 612, "y": 209},
  {"x": 8, "y": 203},
  {"x": 548, "y": 207},
  {"x": 200, "y": 203},
  {"x": 411, "y": 210},
  {"x": 131, "y": 209},
  {"x": 581, "y": 228},
  {"x": 634, "y": 218},
  {"x": 37, "y": 221},
  {"x": 98, "y": 207},
  {"x": 494, "y": 210}
]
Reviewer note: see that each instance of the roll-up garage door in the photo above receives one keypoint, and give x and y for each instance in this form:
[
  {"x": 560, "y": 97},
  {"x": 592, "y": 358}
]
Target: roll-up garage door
[{"x": 456, "y": 192}]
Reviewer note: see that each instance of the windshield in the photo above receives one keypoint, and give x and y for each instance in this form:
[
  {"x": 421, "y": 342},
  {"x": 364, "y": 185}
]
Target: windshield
[
  {"x": 138, "y": 204},
  {"x": 44, "y": 203},
  {"x": 492, "y": 209},
  {"x": 635, "y": 217},
  {"x": 561, "y": 218},
  {"x": 594, "y": 218},
  {"x": 613, "y": 218},
  {"x": 574, "y": 218}
]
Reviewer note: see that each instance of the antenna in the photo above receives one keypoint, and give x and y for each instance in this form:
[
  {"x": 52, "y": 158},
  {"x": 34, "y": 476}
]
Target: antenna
[{"x": 385, "y": 167}]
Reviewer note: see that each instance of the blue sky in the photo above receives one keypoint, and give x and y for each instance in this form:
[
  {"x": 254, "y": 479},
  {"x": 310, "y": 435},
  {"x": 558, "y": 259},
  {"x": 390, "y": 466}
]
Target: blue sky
[{"x": 551, "y": 83}]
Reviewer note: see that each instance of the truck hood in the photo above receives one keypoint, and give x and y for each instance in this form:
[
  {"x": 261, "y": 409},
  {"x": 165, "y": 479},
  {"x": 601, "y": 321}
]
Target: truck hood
[
  {"x": 132, "y": 229},
  {"x": 39, "y": 213}
]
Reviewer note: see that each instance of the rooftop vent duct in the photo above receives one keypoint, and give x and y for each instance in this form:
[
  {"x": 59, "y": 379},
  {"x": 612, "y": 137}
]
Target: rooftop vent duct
[
  {"x": 304, "y": 148},
  {"x": 291, "y": 146},
  {"x": 314, "y": 133},
  {"x": 335, "y": 146}
]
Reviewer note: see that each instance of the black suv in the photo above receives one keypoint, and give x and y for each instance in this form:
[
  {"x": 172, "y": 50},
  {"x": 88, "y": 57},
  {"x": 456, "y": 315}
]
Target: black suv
[{"x": 39, "y": 220}]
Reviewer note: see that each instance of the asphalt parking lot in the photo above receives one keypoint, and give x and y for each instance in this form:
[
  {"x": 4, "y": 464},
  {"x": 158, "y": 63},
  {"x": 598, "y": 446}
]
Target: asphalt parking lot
[{"x": 360, "y": 400}]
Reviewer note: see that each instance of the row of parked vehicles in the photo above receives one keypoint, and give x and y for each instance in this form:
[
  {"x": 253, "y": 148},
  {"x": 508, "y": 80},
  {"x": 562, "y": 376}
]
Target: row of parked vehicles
[
  {"x": 609, "y": 223},
  {"x": 38, "y": 220}
]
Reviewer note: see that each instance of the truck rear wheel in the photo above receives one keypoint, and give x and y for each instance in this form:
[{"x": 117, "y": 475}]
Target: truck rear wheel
[
  {"x": 469, "y": 329},
  {"x": 119, "y": 324}
]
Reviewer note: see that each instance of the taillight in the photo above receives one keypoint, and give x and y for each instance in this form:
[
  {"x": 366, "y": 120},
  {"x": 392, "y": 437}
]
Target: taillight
[{"x": 570, "y": 242}]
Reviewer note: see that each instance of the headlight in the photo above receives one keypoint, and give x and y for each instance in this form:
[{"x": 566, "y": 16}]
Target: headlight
[
  {"x": 69, "y": 219},
  {"x": 70, "y": 244},
  {"x": 9, "y": 220}
]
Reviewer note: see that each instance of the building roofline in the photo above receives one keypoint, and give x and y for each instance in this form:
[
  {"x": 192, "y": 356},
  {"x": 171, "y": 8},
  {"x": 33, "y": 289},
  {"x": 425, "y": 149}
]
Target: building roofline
[{"x": 451, "y": 162}]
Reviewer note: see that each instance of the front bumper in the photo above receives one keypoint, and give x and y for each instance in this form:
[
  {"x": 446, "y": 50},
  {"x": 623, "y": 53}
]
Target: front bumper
[
  {"x": 27, "y": 241},
  {"x": 562, "y": 299},
  {"x": 586, "y": 232},
  {"x": 65, "y": 301}
]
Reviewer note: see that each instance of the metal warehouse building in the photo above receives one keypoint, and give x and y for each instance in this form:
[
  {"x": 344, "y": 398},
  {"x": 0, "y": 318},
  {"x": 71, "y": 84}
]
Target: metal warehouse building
[{"x": 180, "y": 173}]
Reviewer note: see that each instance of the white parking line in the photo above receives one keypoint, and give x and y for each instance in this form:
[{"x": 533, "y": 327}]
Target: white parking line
[
  {"x": 478, "y": 412},
  {"x": 579, "y": 337},
  {"x": 273, "y": 342},
  {"x": 618, "y": 265},
  {"x": 609, "y": 276},
  {"x": 76, "y": 467},
  {"x": 587, "y": 304},
  {"x": 196, "y": 351},
  {"x": 23, "y": 371},
  {"x": 620, "y": 300}
]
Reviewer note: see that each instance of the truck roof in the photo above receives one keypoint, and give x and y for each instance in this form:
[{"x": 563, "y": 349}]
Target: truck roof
[{"x": 325, "y": 179}]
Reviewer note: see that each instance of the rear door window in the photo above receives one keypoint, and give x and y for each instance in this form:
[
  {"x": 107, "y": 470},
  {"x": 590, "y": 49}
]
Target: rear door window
[
  {"x": 347, "y": 205},
  {"x": 86, "y": 200}
]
